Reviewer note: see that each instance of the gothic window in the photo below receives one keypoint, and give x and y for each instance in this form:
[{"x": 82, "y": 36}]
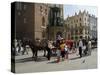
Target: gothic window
[
  {"x": 43, "y": 21},
  {"x": 80, "y": 19}
]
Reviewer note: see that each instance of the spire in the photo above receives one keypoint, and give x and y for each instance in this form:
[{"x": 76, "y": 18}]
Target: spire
[
  {"x": 84, "y": 11},
  {"x": 80, "y": 12},
  {"x": 75, "y": 13}
]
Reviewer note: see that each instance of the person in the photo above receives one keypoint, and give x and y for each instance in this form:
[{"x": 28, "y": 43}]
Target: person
[
  {"x": 80, "y": 47},
  {"x": 27, "y": 47},
  {"x": 66, "y": 52},
  {"x": 62, "y": 46},
  {"x": 58, "y": 54},
  {"x": 32, "y": 47},
  {"x": 84, "y": 49},
  {"x": 16, "y": 48},
  {"x": 24, "y": 45},
  {"x": 73, "y": 48},
  {"x": 85, "y": 46},
  {"x": 89, "y": 47},
  {"x": 49, "y": 47}
]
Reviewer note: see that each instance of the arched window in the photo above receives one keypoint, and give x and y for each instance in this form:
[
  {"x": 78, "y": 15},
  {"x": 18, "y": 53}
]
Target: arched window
[{"x": 43, "y": 21}]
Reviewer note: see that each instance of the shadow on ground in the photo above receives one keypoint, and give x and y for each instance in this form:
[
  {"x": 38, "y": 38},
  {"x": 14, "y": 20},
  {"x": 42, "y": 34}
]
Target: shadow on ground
[
  {"x": 74, "y": 58},
  {"x": 79, "y": 57},
  {"x": 39, "y": 59}
]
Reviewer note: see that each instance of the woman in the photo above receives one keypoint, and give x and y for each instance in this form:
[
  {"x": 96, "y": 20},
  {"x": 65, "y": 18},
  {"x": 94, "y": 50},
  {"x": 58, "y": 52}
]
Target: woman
[{"x": 62, "y": 47}]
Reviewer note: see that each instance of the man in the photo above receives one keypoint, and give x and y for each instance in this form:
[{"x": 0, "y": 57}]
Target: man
[
  {"x": 80, "y": 46},
  {"x": 49, "y": 47},
  {"x": 89, "y": 47}
]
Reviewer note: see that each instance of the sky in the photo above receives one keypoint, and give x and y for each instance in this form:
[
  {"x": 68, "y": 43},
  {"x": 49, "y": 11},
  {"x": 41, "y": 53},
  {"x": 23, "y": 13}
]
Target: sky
[{"x": 71, "y": 9}]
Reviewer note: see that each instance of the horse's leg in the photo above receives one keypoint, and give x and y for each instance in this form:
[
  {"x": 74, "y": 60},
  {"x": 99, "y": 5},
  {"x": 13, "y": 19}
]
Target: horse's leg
[
  {"x": 36, "y": 51},
  {"x": 35, "y": 55},
  {"x": 44, "y": 51}
]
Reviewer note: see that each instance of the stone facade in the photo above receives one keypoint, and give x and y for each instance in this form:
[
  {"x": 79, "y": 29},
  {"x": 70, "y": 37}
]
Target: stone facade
[
  {"x": 31, "y": 20},
  {"x": 55, "y": 26},
  {"x": 54, "y": 31},
  {"x": 41, "y": 20},
  {"x": 78, "y": 25},
  {"x": 38, "y": 20},
  {"x": 24, "y": 23},
  {"x": 93, "y": 26}
]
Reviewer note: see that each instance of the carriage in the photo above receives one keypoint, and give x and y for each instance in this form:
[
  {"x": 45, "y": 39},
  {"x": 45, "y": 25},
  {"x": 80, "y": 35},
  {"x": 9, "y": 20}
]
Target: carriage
[{"x": 69, "y": 43}]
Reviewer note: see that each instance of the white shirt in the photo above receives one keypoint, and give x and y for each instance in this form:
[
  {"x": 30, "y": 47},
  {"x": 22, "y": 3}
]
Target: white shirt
[
  {"x": 89, "y": 44},
  {"x": 84, "y": 47},
  {"x": 66, "y": 48},
  {"x": 80, "y": 43}
]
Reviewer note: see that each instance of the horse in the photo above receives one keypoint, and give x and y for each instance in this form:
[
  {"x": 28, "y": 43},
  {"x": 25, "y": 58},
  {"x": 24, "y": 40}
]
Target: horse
[{"x": 35, "y": 46}]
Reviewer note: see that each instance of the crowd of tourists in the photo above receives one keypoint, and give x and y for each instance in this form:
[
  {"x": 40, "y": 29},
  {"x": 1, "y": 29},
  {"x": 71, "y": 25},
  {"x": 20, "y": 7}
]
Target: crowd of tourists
[
  {"x": 63, "y": 48},
  {"x": 60, "y": 46}
]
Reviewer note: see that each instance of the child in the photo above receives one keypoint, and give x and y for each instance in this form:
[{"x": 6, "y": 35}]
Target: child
[{"x": 66, "y": 52}]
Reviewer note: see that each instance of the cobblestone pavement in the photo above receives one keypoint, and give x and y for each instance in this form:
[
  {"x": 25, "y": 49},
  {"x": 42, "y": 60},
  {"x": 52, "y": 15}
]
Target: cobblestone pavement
[{"x": 24, "y": 63}]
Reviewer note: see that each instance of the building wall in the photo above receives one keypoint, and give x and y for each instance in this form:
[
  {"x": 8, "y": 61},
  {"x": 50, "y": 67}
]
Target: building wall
[
  {"x": 41, "y": 20},
  {"x": 24, "y": 16},
  {"x": 93, "y": 26},
  {"x": 77, "y": 25},
  {"x": 31, "y": 20},
  {"x": 55, "y": 28},
  {"x": 54, "y": 31}
]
